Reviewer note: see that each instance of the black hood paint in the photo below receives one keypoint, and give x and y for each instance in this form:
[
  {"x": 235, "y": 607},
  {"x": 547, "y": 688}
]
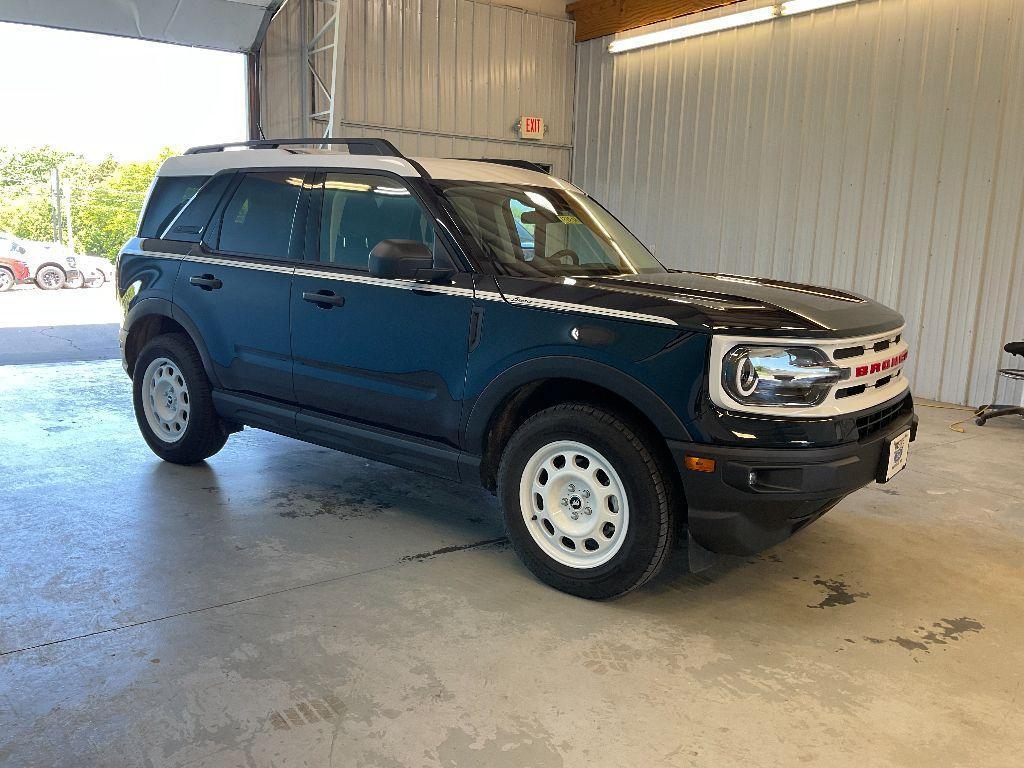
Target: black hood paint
[{"x": 715, "y": 303}]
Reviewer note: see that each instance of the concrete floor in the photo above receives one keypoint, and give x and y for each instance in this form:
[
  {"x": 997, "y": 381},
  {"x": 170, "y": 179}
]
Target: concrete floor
[
  {"x": 290, "y": 606},
  {"x": 39, "y": 326}
]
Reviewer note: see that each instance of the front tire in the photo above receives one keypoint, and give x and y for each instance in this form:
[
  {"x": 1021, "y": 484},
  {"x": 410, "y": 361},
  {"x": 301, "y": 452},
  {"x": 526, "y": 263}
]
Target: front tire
[
  {"x": 587, "y": 502},
  {"x": 7, "y": 280},
  {"x": 174, "y": 402},
  {"x": 51, "y": 278}
]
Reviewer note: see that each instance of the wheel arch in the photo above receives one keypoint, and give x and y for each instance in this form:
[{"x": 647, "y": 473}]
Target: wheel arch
[
  {"x": 529, "y": 387},
  {"x": 46, "y": 264},
  {"x": 154, "y": 317}
]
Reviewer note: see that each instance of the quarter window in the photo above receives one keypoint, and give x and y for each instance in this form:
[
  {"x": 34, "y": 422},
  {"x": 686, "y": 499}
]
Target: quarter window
[
  {"x": 258, "y": 219},
  {"x": 360, "y": 210},
  {"x": 168, "y": 197}
]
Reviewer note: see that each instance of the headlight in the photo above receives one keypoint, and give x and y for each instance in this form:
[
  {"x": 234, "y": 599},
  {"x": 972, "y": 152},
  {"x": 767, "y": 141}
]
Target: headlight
[{"x": 797, "y": 377}]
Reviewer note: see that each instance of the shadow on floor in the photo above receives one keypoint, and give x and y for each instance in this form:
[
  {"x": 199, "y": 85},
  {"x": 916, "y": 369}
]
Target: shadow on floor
[{"x": 58, "y": 343}]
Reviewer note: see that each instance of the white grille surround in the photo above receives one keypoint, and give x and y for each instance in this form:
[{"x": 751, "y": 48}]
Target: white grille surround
[{"x": 873, "y": 373}]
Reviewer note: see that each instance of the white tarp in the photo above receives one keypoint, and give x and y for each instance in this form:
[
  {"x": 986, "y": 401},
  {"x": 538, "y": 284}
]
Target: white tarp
[{"x": 227, "y": 25}]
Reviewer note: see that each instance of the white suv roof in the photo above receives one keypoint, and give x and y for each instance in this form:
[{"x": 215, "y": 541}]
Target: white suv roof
[{"x": 209, "y": 163}]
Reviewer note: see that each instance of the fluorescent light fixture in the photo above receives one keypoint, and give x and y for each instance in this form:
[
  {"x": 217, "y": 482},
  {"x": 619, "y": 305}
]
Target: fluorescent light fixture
[
  {"x": 720, "y": 23},
  {"x": 683, "y": 31}
]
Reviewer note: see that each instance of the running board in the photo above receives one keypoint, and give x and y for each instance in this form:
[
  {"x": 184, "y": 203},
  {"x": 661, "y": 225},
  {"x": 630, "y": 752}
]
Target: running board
[{"x": 381, "y": 445}]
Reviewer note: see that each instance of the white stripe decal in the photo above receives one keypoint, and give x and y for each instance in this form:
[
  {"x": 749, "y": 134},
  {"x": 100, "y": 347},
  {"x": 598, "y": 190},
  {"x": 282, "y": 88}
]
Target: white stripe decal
[
  {"x": 156, "y": 255},
  {"x": 563, "y": 306},
  {"x": 285, "y": 270},
  {"x": 383, "y": 282},
  {"x": 448, "y": 290}
]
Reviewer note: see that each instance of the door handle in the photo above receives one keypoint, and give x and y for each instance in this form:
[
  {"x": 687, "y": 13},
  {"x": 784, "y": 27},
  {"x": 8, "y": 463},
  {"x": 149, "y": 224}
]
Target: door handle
[
  {"x": 324, "y": 299},
  {"x": 206, "y": 282}
]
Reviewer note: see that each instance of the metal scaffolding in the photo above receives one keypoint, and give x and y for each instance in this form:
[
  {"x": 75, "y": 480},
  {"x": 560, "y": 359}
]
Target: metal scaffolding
[{"x": 322, "y": 21}]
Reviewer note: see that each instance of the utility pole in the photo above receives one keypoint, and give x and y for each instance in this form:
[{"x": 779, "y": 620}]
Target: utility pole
[
  {"x": 55, "y": 213},
  {"x": 67, "y": 217}
]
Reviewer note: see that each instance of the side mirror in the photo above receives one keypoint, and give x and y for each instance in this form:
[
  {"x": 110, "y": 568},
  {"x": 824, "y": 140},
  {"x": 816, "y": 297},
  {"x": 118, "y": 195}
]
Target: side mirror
[{"x": 404, "y": 260}]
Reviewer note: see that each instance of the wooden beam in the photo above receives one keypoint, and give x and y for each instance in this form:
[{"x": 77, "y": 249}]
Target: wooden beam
[{"x": 597, "y": 18}]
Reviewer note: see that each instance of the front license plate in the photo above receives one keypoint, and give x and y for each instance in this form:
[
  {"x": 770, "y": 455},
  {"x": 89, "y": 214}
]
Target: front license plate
[{"x": 899, "y": 450}]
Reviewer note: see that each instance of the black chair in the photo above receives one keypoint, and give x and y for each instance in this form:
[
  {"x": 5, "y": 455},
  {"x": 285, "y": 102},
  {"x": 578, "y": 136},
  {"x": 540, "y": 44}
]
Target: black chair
[{"x": 1017, "y": 374}]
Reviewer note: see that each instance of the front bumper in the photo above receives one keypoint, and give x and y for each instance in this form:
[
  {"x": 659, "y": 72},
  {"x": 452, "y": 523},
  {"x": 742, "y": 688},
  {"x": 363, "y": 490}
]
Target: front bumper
[{"x": 791, "y": 486}]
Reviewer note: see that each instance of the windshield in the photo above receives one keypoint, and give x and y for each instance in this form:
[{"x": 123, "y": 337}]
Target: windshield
[{"x": 544, "y": 232}]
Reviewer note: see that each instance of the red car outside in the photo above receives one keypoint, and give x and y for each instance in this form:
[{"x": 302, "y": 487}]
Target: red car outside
[{"x": 12, "y": 272}]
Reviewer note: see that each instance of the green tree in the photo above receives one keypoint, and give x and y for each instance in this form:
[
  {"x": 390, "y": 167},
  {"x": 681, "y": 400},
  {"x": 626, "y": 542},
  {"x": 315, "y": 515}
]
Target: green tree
[
  {"x": 105, "y": 215},
  {"x": 27, "y": 216},
  {"x": 31, "y": 166},
  {"x": 106, "y": 197}
]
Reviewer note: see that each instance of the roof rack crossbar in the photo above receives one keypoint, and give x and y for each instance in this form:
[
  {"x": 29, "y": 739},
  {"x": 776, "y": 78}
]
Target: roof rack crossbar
[{"x": 357, "y": 146}]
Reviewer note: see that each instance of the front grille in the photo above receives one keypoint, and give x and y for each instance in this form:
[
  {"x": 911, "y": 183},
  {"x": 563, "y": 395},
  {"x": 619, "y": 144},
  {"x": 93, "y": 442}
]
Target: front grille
[
  {"x": 880, "y": 419},
  {"x": 845, "y": 352}
]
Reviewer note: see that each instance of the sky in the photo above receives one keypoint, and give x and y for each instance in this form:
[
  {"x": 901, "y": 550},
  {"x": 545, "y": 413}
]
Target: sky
[{"x": 95, "y": 94}]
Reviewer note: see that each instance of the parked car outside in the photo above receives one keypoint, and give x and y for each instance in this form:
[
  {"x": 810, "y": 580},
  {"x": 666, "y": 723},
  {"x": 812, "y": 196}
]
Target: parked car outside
[
  {"x": 95, "y": 269},
  {"x": 496, "y": 325},
  {"x": 51, "y": 265},
  {"x": 12, "y": 272}
]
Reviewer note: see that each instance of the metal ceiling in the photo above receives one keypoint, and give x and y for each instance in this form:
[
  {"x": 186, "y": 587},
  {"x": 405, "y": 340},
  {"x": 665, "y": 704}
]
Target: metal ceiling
[{"x": 227, "y": 25}]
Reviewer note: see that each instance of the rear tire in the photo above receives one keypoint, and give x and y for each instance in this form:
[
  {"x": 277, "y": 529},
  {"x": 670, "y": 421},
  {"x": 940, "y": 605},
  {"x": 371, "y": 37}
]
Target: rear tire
[
  {"x": 174, "y": 402},
  {"x": 579, "y": 459},
  {"x": 7, "y": 280},
  {"x": 51, "y": 278}
]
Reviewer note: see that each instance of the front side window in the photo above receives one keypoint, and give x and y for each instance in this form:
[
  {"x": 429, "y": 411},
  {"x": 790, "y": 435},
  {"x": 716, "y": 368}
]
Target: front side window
[
  {"x": 360, "y": 210},
  {"x": 258, "y": 219},
  {"x": 545, "y": 232}
]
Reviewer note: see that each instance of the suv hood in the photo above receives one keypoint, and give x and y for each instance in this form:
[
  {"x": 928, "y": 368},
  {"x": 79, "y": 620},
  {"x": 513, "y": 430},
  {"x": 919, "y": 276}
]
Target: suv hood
[{"x": 719, "y": 303}]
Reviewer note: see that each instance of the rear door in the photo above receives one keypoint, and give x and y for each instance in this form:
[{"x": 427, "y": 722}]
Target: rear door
[
  {"x": 236, "y": 284},
  {"x": 381, "y": 352}
]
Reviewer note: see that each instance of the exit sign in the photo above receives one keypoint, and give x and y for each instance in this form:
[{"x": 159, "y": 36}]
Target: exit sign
[{"x": 531, "y": 127}]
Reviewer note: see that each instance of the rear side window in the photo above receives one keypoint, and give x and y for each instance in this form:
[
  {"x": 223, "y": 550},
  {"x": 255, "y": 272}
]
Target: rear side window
[
  {"x": 361, "y": 210},
  {"x": 169, "y": 195},
  {"x": 258, "y": 219}
]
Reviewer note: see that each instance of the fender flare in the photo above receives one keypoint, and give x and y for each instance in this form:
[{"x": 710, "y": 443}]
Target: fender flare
[
  {"x": 665, "y": 420},
  {"x": 164, "y": 308}
]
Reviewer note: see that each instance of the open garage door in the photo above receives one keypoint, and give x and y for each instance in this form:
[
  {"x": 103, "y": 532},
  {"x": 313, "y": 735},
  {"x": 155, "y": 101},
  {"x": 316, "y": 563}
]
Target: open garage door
[{"x": 227, "y": 25}]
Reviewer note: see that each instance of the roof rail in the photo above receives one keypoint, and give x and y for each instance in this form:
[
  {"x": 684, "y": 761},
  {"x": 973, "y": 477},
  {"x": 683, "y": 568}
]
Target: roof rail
[
  {"x": 358, "y": 146},
  {"x": 526, "y": 165}
]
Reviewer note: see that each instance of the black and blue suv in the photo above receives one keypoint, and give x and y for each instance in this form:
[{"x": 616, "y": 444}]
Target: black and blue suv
[{"x": 486, "y": 322}]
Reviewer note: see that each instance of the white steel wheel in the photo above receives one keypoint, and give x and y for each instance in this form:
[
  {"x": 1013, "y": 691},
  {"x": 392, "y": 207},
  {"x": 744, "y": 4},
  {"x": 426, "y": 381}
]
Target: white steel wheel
[
  {"x": 165, "y": 400},
  {"x": 6, "y": 280},
  {"x": 574, "y": 504}
]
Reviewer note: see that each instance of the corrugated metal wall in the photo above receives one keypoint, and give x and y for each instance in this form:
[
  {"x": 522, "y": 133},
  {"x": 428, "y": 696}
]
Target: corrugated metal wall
[
  {"x": 282, "y": 75},
  {"x": 877, "y": 147},
  {"x": 436, "y": 77}
]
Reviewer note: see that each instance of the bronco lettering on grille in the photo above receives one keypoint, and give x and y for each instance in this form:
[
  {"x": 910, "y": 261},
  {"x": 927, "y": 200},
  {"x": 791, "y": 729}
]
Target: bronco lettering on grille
[{"x": 882, "y": 365}]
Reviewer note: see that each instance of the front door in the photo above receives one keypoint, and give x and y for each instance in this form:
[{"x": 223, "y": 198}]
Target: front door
[{"x": 380, "y": 352}]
